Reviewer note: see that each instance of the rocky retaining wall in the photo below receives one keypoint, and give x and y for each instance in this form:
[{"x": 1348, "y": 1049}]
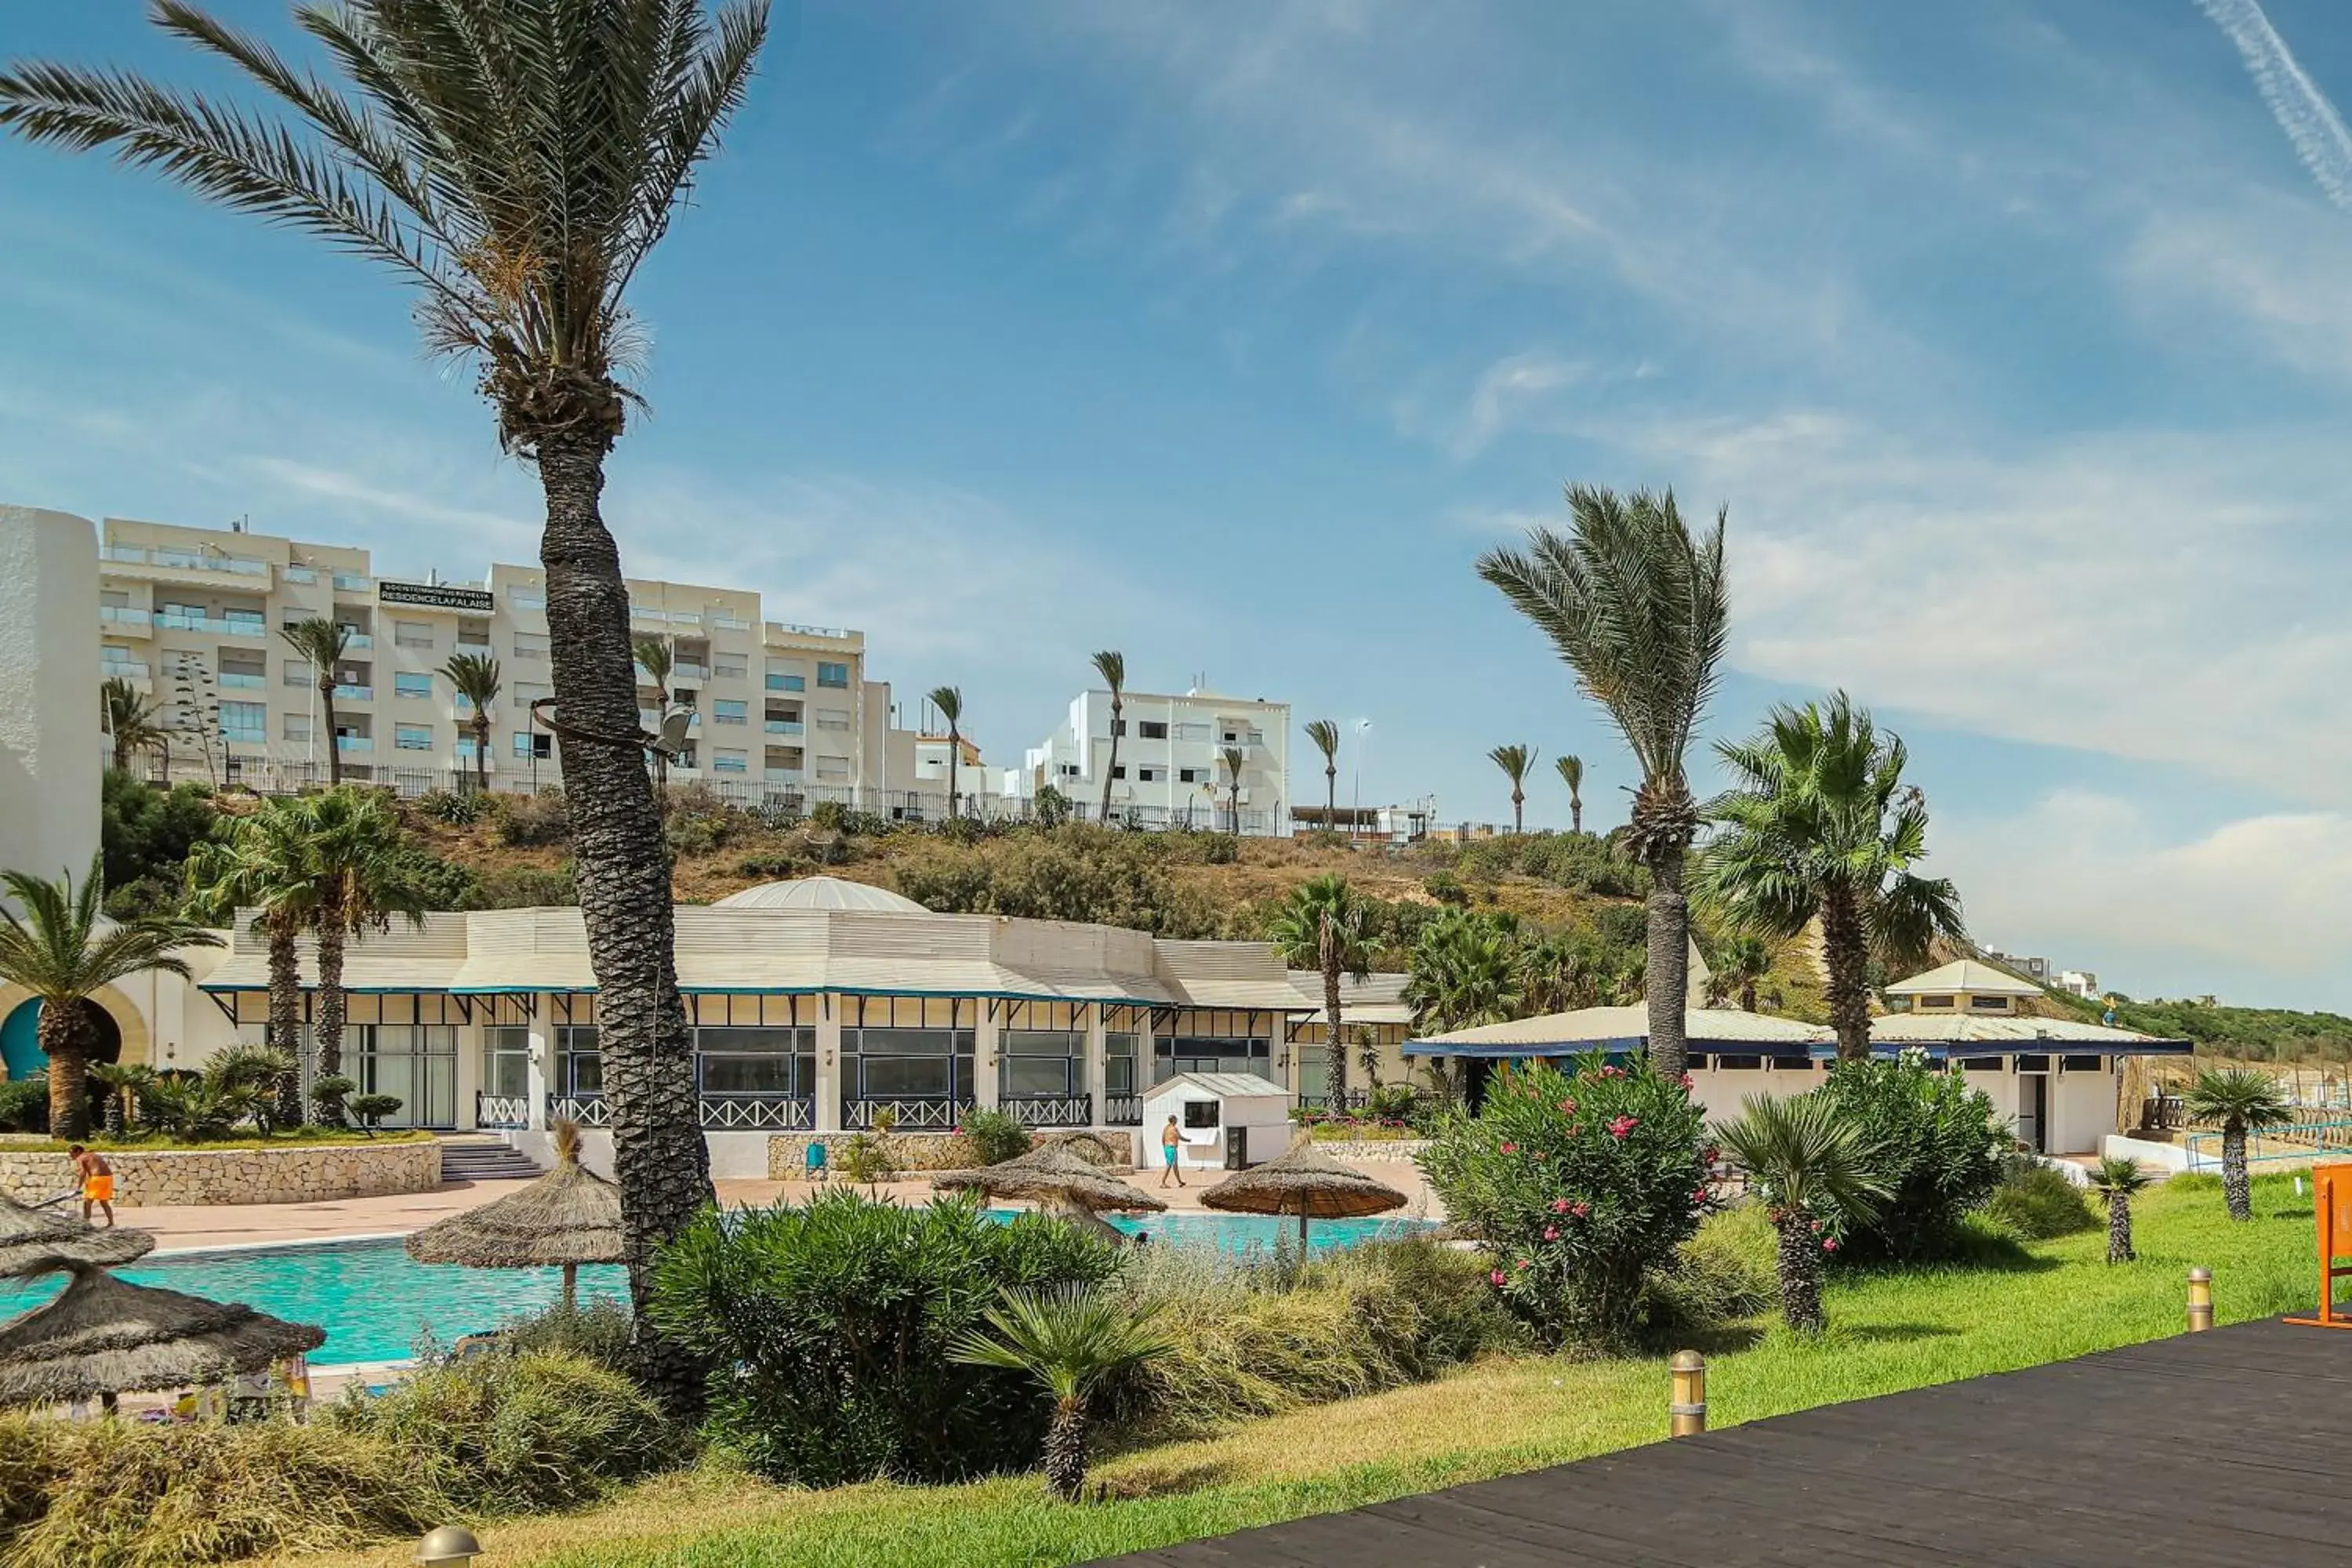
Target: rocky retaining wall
[
  {"x": 1402, "y": 1149},
  {"x": 912, "y": 1154},
  {"x": 289, "y": 1175}
]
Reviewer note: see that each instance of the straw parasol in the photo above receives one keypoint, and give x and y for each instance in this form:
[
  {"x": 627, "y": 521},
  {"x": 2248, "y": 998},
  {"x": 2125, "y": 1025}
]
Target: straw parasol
[
  {"x": 35, "y": 1240},
  {"x": 1057, "y": 1180},
  {"x": 567, "y": 1217},
  {"x": 104, "y": 1336},
  {"x": 1310, "y": 1185}
]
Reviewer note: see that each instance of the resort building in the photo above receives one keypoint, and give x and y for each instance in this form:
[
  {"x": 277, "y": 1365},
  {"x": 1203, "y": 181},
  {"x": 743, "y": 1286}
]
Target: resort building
[{"x": 1172, "y": 768}]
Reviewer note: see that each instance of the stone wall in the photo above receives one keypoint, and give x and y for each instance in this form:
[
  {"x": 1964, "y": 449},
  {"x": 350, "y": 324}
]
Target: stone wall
[
  {"x": 290, "y": 1175},
  {"x": 912, "y": 1154},
  {"x": 1402, "y": 1149}
]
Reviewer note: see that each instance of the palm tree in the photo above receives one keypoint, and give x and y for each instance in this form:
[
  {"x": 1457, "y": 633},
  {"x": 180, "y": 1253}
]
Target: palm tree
[
  {"x": 1635, "y": 606},
  {"x": 1069, "y": 1337},
  {"x": 264, "y": 862},
  {"x": 1741, "y": 961},
  {"x": 651, "y": 655},
  {"x": 1515, "y": 762},
  {"x": 1232, "y": 759},
  {"x": 64, "y": 951},
  {"x": 1572, "y": 773},
  {"x": 948, "y": 701},
  {"x": 130, "y": 720},
  {"x": 359, "y": 853},
  {"x": 1111, "y": 665},
  {"x": 2237, "y": 1101},
  {"x": 1325, "y": 733},
  {"x": 1464, "y": 971},
  {"x": 1321, "y": 926},
  {"x": 1812, "y": 1167},
  {"x": 516, "y": 160},
  {"x": 1553, "y": 976},
  {"x": 2118, "y": 1178},
  {"x": 321, "y": 640},
  {"x": 1820, "y": 825},
  {"x": 122, "y": 1082},
  {"x": 475, "y": 678}
]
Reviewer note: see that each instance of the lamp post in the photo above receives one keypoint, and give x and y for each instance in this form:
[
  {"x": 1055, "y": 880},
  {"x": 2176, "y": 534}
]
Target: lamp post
[{"x": 1356, "y": 812}]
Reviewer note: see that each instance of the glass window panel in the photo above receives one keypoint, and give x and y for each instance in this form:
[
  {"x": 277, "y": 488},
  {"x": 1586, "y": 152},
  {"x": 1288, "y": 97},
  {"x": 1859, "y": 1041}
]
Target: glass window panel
[
  {"x": 732, "y": 1074},
  {"x": 1043, "y": 1043},
  {"x": 912, "y": 1042},
  {"x": 907, "y": 1076},
  {"x": 1035, "y": 1075}
]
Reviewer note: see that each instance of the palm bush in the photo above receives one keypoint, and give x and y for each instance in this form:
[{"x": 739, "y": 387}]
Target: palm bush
[
  {"x": 1939, "y": 1143},
  {"x": 1636, "y": 606},
  {"x": 1320, "y": 926},
  {"x": 2036, "y": 1203},
  {"x": 1069, "y": 1338},
  {"x": 123, "y": 1082},
  {"x": 948, "y": 701},
  {"x": 995, "y": 1137},
  {"x": 2118, "y": 1180},
  {"x": 266, "y": 863},
  {"x": 1814, "y": 1168},
  {"x": 2238, "y": 1100},
  {"x": 320, "y": 641}
]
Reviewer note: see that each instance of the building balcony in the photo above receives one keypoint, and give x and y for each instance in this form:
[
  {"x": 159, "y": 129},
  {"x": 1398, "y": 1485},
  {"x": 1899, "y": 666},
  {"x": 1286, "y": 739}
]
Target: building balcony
[
  {"x": 353, "y": 583},
  {"x": 170, "y": 559},
  {"x": 220, "y": 625},
  {"x": 792, "y": 777},
  {"x": 353, "y": 638},
  {"x": 124, "y": 622},
  {"x": 122, "y": 669},
  {"x": 785, "y": 727},
  {"x": 354, "y": 693},
  {"x": 238, "y": 680},
  {"x": 355, "y": 742}
]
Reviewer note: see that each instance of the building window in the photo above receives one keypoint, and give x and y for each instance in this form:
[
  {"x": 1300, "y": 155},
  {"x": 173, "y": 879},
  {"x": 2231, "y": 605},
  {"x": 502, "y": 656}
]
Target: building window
[
  {"x": 2082, "y": 1064},
  {"x": 1119, "y": 772},
  {"x": 832, "y": 674},
  {"x": 506, "y": 1061},
  {"x": 1154, "y": 730},
  {"x": 409, "y": 683},
  {"x": 725, "y": 711},
  {"x": 1147, "y": 776},
  {"x": 1178, "y": 1053},
  {"x": 725, "y": 668},
  {"x": 1989, "y": 1003},
  {"x": 832, "y": 770},
  {"x": 1740, "y": 1064},
  {"x": 774, "y": 1062},
  {"x": 778, "y": 681},
  {"x": 723, "y": 761},
  {"x": 1069, "y": 770},
  {"x": 529, "y": 744},
  {"x": 412, "y": 737},
  {"x": 833, "y": 718},
  {"x": 531, "y": 645},
  {"x": 412, "y": 634},
  {"x": 298, "y": 672},
  {"x": 2034, "y": 1064},
  {"x": 1935, "y": 1003},
  {"x": 1041, "y": 1064},
  {"x": 298, "y": 726},
  {"x": 1983, "y": 1064},
  {"x": 245, "y": 721},
  {"x": 1188, "y": 775},
  {"x": 578, "y": 1064}
]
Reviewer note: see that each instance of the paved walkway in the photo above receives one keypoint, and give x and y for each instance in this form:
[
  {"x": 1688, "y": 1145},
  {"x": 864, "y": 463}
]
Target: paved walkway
[{"x": 2223, "y": 1449}]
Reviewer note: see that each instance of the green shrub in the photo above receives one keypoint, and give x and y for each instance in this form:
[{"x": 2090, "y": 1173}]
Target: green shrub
[
  {"x": 529, "y": 888},
  {"x": 830, "y": 816},
  {"x": 1721, "y": 1275},
  {"x": 458, "y": 808},
  {"x": 371, "y": 1108},
  {"x": 776, "y": 867},
  {"x": 599, "y": 1331},
  {"x": 1051, "y": 805},
  {"x": 25, "y": 1102},
  {"x": 524, "y": 820},
  {"x": 995, "y": 1137},
  {"x": 1446, "y": 888},
  {"x": 1577, "y": 1188},
  {"x": 1940, "y": 1147},
  {"x": 329, "y": 1094},
  {"x": 831, "y": 1324},
  {"x": 147, "y": 835},
  {"x": 2034, "y": 1202}
]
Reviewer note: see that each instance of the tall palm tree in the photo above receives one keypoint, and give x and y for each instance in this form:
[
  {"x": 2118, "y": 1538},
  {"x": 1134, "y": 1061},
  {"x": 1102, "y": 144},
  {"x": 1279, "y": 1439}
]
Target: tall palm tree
[
  {"x": 1070, "y": 1339},
  {"x": 1464, "y": 971},
  {"x": 1572, "y": 773},
  {"x": 1812, "y": 1167},
  {"x": 358, "y": 850},
  {"x": 516, "y": 161},
  {"x": 1636, "y": 606},
  {"x": 2118, "y": 1180},
  {"x": 475, "y": 677},
  {"x": 1741, "y": 961},
  {"x": 2238, "y": 1100},
  {"x": 1325, "y": 734},
  {"x": 1321, "y": 926},
  {"x": 948, "y": 701},
  {"x": 1515, "y": 761},
  {"x": 1111, "y": 665},
  {"x": 64, "y": 950},
  {"x": 264, "y": 862},
  {"x": 653, "y": 655},
  {"x": 321, "y": 640},
  {"x": 1818, "y": 824},
  {"x": 1233, "y": 760},
  {"x": 131, "y": 721}
]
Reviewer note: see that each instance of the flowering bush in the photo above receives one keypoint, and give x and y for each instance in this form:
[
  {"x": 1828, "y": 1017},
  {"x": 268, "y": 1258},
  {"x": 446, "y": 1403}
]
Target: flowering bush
[{"x": 1577, "y": 1186}]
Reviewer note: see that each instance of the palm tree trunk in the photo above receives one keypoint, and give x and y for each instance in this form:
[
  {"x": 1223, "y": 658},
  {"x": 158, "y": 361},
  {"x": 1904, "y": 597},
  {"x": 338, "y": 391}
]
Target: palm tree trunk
[
  {"x": 1666, "y": 978},
  {"x": 1800, "y": 1265},
  {"x": 660, "y": 1162},
  {"x": 122, "y": 752},
  {"x": 481, "y": 750},
  {"x": 1111, "y": 766},
  {"x": 1575, "y": 814},
  {"x": 1519, "y": 810},
  {"x": 326, "y": 706},
  {"x": 2237, "y": 1188},
  {"x": 1065, "y": 1450},
  {"x": 1748, "y": 994},
  {"x": 1331, "y": 800},
  {"x": 1335, "y": 1067},
  {"x": 334, "y": 1004},
  {"x": 952, "y": 749},
  {"x": 1848, "y": 963},
  {"x": 2120, "y": 1240},
  {"x": 285, "y": 1028},
  {"x": 66, "y": 1043}
]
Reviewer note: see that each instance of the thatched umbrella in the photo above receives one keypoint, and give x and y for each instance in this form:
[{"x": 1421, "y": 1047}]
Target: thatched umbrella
[
  {"x": 1310, "y": 1185},
  {"x": 1057, "y": 1180},
  {"x": 104, "y": 1336},
  {"x": 34, "y": 1240},
  {"x": 567, "y": 1217}
]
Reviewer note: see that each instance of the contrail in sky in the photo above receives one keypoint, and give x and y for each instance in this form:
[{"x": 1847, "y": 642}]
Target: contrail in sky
[{"x": 2302, "y": 110}]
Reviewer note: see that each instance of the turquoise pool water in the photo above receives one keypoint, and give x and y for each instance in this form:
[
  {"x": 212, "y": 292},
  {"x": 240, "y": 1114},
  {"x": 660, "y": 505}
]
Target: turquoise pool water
[{"x": 374, "y": 1301}]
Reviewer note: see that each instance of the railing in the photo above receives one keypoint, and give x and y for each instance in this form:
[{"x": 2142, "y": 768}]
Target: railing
[
  {"x": 1350, "y": 1100},
  {"x": 785, "y": 727},
  {"x": 588, "y": 1109},
  {"x": 757, "y": 1113},
  {"x": 1051, "y": 1110},
  {"x": 354, "y": 693},
  {"x": 353, "y": 583},
  {"x": 2301, "y": 1143},
  {"x": 123, "y": 615},
  {"x": 501, "y": 1110},
  {"x": 184, "y": 560},
  {"x": 2162, "y": 1113},
  {"x": 129, "y": 670},
  {"x": 794, "y": 628},
  {"x": 1122, "y": 1110},
  {"x": 355, "y": 742},
  {"x": 354, "y": 638},
  {"x": 241, "y": 680},
  {"x": 187, "y": 621},
  {"x": 911, "y": 1115}
]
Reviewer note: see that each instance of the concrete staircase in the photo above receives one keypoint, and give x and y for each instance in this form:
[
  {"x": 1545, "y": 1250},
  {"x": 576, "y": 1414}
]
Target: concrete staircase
[{"x": 472, "y": 1157}]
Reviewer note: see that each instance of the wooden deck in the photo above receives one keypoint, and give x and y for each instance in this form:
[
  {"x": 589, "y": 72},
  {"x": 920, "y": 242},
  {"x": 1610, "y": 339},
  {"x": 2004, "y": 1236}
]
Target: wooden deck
[{"x": 2218, "y": 1450}]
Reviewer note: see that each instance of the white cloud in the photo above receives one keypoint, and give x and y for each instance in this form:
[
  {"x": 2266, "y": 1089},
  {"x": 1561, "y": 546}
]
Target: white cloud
[{"x": 2302, "y": 110}]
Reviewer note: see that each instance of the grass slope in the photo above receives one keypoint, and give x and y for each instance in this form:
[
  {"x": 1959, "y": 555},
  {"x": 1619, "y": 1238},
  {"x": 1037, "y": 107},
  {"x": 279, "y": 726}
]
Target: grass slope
[{"x": 1891, "y": 1332}]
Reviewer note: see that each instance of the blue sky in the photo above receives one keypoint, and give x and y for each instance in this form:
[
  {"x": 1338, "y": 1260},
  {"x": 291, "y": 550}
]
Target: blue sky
[{"x": 2017, "y": 338}]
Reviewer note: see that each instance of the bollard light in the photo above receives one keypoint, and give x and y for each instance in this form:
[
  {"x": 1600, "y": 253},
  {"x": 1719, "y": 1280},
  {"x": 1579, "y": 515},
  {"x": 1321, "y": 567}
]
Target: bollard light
[
  {"x": 452, "y": 1545},
  {"x": 1686, "y": 1416},
  {"x": 2200, "y": 1299}
]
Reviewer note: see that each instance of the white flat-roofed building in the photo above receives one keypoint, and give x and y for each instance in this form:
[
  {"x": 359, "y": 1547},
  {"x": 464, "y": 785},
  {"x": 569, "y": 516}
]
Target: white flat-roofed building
[{"x": 1172, "y": 768}]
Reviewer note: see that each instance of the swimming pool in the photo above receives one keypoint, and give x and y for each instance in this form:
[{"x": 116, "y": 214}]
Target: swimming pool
[{"x": 374, "y": 1300}]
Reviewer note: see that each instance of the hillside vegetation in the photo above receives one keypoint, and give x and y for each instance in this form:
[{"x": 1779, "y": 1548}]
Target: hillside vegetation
[{"x": 2243, "y": 1034}]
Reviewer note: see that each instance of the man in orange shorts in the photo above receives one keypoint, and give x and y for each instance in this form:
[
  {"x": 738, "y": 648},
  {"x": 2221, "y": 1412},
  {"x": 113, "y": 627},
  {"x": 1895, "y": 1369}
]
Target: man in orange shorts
[{"x": 97, "y": 1183}]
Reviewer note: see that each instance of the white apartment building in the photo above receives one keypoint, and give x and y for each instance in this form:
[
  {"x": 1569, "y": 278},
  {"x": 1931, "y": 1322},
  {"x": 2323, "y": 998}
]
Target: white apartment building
[
  {"x": 1171, "y": 769},
  {"x": 191, "y": 617}
]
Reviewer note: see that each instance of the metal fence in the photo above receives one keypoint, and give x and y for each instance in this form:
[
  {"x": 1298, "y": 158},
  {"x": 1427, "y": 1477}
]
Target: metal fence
[
  {"x": 906, "y": 1115},
  {"x": 501, "y": 1110},
  {"x": 1051, "y": 1110}
]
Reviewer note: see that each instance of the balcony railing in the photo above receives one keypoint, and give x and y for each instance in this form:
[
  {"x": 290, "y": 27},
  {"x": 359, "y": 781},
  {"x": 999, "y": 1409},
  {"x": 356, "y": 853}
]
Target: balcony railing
[
  {"x": 354, "y": 693},
  {"x": 786, "y": 727},
  {"x": 1122, "y": 1110},
  {"x": 353, "y": 638},
  {"x": 240, "y": 680},
  {"x": 757, "y": 1113},
  {"x": 184, "y": 560},
  {"x": 1052, "y": 1110},
  {"x": 355, "y": 742},
  {"x": 353, "y": 583},
  {"x": 129, "y": 670},
  {"x": 123, "y": 615},
  {"x": 501, "y": 1110},
  {"x": 588, "y": 1109},
  {"x": 220, "y": 625},
  {"x": 910, "y": 1115}
]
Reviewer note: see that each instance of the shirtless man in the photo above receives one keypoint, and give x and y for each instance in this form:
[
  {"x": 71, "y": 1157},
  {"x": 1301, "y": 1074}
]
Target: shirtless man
[{"x": 97, "y": 1183}]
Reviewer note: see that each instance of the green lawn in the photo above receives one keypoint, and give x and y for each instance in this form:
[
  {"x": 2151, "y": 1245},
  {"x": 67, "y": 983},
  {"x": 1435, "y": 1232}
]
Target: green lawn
[{"x": 1890, "y": 1331}]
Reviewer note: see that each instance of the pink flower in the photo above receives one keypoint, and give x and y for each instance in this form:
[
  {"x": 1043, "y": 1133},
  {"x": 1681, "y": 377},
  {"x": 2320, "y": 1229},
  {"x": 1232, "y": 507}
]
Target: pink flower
[
  {"x": 1580, "y": 1210},
  {"x": 1829, "y": 1244},
  {"x": 1521, "y": 1264},
  {"x": 1612, "y": 1073},
  {"x": 1568, "y": 1106},
  {"x": 1686, "y": 1081},
  {"x": 1551, "y": 1233},
  {"x": 1710, "y": 1153},
  {"x": 1699, "y": 1197},
  {"x": 1559, "y": 1205},
  {"x": 1622, "y": 1125},
  {"x": 1510, "y": 1148},
  {"x": 1496, "y": 1277},
  {"x": 1817, "y": 1227}
]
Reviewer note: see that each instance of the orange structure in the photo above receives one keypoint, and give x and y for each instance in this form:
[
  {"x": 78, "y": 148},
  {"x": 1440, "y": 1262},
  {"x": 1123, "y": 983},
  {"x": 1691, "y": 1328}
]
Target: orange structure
[{"x": 2331, "y": 1207}]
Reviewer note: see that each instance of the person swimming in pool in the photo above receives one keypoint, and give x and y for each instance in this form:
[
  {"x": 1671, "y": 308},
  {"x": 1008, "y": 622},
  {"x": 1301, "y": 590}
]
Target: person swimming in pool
[
  {"x": 97, "y": 1182},
  {"x": 1170, "y": 1140}
]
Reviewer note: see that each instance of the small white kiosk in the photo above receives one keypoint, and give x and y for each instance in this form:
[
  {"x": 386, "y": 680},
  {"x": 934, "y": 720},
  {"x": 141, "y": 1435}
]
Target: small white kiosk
[{"x": 1217, "y": 1113}]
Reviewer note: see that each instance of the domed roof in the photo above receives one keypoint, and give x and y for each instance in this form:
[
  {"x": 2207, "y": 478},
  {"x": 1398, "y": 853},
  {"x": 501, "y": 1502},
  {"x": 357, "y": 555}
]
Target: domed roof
[{"x": 820, "y": 893}]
